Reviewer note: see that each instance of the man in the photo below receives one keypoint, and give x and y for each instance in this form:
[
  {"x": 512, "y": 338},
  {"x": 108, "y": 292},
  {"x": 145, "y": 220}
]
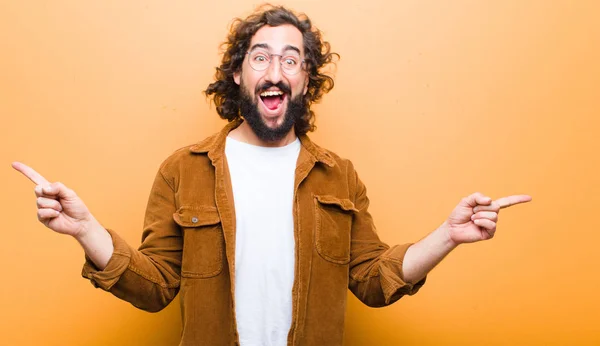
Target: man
[{"x": 260, "y": 230}]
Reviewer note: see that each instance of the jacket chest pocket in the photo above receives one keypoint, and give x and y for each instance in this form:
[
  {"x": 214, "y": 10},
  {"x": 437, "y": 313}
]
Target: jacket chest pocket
[
  {"x": 333, "y": 225},
  {"x": 203, "y": 243}
]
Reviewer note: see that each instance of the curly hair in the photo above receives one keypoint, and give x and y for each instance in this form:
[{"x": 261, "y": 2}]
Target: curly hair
[{"x": 226, "y": 93}]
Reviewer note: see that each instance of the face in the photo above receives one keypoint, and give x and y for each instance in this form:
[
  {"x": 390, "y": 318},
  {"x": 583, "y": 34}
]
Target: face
[{"x": 272, "y": 98}]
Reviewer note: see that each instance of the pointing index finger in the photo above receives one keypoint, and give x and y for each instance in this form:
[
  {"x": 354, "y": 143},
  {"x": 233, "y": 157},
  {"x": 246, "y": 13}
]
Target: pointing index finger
[
  {"x": 505, "y": 202},
  {"x": 30, "y": 173}
]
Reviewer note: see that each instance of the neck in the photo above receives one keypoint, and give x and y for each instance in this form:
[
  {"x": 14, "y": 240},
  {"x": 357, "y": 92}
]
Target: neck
[{"x": 244, "y": 133}]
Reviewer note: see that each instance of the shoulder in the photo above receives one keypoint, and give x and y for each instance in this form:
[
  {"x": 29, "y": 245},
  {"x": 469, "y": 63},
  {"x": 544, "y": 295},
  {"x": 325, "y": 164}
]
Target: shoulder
[
  {"x": 189, "y": 157},
  {"x": 338, "y": 173},
  {"x": 332, "y": 159}
]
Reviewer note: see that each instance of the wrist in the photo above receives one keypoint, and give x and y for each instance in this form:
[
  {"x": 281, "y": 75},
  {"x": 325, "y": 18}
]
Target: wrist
[
  {"x": 87, "y": 229},
  {"x": 446, "y": 231},
  {"x": 96, "y": 242}
]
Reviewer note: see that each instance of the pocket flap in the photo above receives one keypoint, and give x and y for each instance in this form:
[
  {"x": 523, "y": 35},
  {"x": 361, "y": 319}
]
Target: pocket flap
[
  {"x": 343, "y": 203},
  {"x": 196, "y": 216}
]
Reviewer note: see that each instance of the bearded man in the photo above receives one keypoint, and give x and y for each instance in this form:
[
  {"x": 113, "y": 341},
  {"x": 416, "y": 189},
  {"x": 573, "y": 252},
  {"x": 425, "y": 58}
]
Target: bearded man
[{"x": 258, "y": 229}]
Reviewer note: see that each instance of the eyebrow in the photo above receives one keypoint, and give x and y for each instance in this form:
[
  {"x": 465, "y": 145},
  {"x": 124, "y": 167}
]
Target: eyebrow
[{"x": 266, "y": 46}]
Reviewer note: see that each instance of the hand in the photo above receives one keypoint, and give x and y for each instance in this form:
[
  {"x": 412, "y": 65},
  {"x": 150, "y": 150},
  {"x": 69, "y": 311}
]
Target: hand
[
  {"x": 59, "y": 208},
  {"x": 475, "y": 217}
]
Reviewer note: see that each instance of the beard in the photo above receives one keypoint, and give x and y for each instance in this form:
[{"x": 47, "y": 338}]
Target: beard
[{"x": 249, "y": 110}]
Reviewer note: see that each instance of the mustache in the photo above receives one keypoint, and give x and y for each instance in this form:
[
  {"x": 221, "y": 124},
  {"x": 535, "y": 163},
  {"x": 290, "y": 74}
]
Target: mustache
[{"x": 281, "y": 86}]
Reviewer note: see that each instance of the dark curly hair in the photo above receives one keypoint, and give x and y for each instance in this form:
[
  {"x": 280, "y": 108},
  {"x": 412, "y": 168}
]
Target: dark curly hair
[{"x": 226, "y": 93}]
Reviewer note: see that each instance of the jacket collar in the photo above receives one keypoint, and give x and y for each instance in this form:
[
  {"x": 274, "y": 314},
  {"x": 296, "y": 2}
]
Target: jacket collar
[{"x": 215, "y": 145}]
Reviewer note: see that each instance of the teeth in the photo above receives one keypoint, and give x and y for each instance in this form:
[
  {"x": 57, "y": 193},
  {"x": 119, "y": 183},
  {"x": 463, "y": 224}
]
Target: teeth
[{"x": 271, "y": 93}]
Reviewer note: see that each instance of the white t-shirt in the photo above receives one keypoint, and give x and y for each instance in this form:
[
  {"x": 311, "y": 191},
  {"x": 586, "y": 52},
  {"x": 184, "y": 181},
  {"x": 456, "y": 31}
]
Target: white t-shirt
[{"x": 262, "y": 181}]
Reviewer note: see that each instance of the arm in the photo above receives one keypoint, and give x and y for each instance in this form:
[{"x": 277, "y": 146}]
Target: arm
[
  {"x": 380, "y": 275},
  {"x": 423, "y": 256},
  {"x": 96, "y": 243},
  {"x": 474, "y": 219},
  {"x": 376, "y": 277},
  {"x": 61, "y": 210},
  {"x": 149, "y": 277}
]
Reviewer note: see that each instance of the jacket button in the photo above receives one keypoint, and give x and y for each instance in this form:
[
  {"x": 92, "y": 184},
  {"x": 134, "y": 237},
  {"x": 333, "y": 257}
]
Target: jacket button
[{"x": 194, "y": 219}]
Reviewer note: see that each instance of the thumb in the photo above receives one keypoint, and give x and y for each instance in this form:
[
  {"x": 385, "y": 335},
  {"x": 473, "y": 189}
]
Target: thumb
[
  {"x": 59, "y": 190},
  {"x": 475, "y": 199}
]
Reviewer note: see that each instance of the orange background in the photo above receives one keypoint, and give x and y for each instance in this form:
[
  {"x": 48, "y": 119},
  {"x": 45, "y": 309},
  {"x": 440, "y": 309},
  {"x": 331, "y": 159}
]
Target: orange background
[{"x": 433, "y": 100}]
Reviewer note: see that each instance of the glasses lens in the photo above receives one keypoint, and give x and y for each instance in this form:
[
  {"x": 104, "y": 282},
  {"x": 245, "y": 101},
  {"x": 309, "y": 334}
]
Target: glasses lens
[
  {"x": 259, "y": 60},
  {"x": 291, "y": 64}
]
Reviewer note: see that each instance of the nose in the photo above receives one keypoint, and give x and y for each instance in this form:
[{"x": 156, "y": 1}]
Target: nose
[{"x": 274, "y": 73}]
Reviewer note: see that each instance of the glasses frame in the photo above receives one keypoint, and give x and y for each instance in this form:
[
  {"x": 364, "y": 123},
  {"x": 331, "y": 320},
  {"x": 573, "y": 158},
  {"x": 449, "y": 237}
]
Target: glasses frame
[{"x": 302, "y": 63}]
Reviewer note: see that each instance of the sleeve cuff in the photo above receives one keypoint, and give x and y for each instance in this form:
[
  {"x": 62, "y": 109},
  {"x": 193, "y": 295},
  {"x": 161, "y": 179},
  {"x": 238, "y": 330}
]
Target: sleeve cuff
[
  {"x": 394, "y": 286},
  {"x": 117, "y": 264}
]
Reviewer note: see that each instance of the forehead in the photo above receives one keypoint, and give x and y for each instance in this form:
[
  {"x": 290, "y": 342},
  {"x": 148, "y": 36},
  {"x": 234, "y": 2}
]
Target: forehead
[{"x": 277, "y": 38}]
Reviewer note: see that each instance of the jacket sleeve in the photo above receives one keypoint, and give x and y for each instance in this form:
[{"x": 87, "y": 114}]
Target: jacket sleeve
[
  {"x": 375, "y": 268},
  {"x": 147, "y": 277}
]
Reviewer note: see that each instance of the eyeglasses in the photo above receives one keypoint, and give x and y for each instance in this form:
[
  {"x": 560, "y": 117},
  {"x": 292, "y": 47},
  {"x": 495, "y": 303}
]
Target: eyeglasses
[{"x": 260, "y": 60}]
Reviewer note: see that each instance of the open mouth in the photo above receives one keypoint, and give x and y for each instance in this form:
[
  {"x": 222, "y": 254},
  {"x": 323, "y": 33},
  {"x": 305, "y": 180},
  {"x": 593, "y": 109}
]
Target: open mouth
[{"x": 272, "y": 99}]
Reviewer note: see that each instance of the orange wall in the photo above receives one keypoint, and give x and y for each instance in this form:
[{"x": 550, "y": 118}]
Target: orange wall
[{"x": 458, "y": 96}]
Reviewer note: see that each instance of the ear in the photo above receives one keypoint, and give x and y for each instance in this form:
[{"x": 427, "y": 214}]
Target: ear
[{"x": 237, "y": 77}]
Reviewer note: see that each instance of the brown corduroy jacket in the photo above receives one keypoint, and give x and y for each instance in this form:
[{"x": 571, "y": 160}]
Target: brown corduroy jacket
[{"x": 188, "y": 247}]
